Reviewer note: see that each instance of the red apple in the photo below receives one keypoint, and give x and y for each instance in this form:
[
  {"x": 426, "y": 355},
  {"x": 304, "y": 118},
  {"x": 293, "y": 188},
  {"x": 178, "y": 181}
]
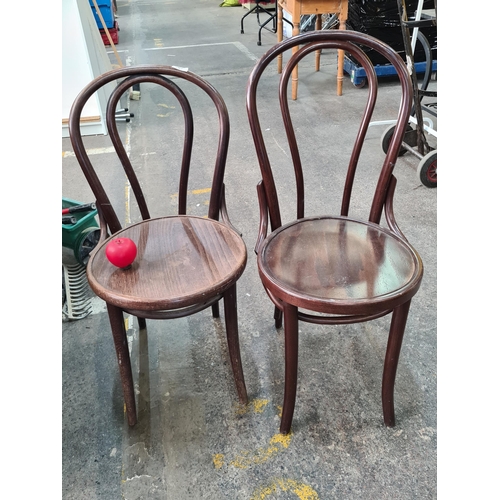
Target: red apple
[{"x": 121, "y": 252}]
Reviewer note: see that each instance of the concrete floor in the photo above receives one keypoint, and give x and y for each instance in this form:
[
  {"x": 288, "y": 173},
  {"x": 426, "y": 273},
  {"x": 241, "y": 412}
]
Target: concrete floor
[{"x": 193, "y": 440}]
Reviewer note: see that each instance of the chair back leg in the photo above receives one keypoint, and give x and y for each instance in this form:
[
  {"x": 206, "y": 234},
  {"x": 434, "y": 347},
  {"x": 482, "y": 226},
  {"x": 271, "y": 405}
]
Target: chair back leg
[
  {"x": 291, "y": 319},
  {"x": 398, "y": 324}
]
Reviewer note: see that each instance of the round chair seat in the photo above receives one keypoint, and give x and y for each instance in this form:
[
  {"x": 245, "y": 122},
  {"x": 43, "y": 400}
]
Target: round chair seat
[
  {"x": 180, "y": 261},
  {"x": 339, "y": 265}
]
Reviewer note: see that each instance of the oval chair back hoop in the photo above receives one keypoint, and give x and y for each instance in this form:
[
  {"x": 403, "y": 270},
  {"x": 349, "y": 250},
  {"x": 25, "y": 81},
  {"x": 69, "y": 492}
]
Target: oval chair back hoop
[{"x": 333, "y": 269}]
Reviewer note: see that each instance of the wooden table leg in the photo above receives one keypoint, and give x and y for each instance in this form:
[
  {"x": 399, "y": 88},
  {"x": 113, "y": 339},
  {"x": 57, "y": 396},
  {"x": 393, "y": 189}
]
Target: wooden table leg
[
  {"x": 340, "y": 62},
  {"x": 295, "y": 72},
  {"x": 343, "y": 8},
  {"x": 279, "y": 32},
  {"x": 318, "y": 27}
]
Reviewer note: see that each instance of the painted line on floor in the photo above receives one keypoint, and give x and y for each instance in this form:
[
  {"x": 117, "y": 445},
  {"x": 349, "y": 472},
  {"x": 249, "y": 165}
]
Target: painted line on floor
[
  {"x": 193, "y": 191},
  {"x": 256, "y": 406},
  {"x": 238, "y": 45},
  {"x": 247, "y": 459},
  {"x": 119, "y": 51},
  {"x": 128, "y": 133},
  {"x": 94, "y": 151},
  {"x": 303, "y": 491}
]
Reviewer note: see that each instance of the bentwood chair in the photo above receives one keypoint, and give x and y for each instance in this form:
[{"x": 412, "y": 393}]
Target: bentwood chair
[
  {"x": 335, "y": 268},
  {"x": 185, "y": 263}
]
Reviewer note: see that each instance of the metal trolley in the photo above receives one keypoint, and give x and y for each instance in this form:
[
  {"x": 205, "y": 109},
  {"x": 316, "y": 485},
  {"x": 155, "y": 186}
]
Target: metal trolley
[{"x": 415, "y": 139}]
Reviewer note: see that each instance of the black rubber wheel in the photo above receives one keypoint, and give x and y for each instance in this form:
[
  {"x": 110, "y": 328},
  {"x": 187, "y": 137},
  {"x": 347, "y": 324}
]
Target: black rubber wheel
[
  {"x": 361, "y": 84},
  {"x": 427, "y": 170},
  {"x": 87, "y": 244},
  {"x": 387, "y": 136}
]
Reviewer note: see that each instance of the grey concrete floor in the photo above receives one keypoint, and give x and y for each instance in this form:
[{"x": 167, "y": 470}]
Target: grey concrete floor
[{"x": 193, "y": 439}]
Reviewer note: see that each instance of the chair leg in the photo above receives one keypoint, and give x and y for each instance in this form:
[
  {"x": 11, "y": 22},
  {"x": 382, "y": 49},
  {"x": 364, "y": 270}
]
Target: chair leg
[
  {"x": 398, "y": 324},
  {"x": 278, "y": 318},
  {"x": 215, "y": 310},
  {"x": 291, "y": 364},
  {"x": 142, "y": 323},
  {"x": 120, "y": 339},
  {"x": 231, "y": 317}
]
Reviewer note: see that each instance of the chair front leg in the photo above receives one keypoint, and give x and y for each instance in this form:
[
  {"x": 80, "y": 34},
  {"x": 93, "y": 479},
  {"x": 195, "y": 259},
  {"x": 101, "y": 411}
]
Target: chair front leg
[
  {"x": 121, "y": 346},
  {"x": 291, "y": 363},
  {"x": 398, "y": 324},
  {"x": 215, "y": 310},
  {"x": 231, "y": 317}
]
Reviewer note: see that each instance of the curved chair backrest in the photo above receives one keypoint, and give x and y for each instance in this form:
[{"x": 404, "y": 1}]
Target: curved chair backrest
[
  {"x": 127, "y": 78},
  {"x": 351, "y": 42}
]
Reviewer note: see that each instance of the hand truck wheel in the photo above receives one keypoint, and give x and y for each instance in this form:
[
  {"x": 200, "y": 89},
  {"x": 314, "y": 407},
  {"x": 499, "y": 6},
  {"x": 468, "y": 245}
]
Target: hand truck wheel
[
  {"x": 387, "y": 136},
  {"x": 427, "y": 170}
]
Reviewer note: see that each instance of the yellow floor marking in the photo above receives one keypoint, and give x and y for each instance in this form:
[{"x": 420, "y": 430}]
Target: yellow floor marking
[
  {"x": 94, "y": 151},
  {"x": 259, "y": 405},
  {"x": 127, "y": 202},
  {"x": 168, "y": 107},
  {"x": 218, "y": 459},
  {"x": 201, "y": 191},
  {"x": 303, "y": 491},
  {"x": 278, "y": 443},
  {"x": 256, "y": 405}
]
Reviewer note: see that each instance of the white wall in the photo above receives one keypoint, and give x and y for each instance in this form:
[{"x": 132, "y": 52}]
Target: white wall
[{"x": 84, "y": 57}]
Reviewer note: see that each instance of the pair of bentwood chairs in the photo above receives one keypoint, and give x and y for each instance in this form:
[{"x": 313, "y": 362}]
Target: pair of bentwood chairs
[{"x": 331, "y": 269}]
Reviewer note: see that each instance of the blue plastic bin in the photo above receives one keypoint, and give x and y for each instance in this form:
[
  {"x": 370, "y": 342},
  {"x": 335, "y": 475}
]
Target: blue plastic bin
[{"x": 106, "y": 12}]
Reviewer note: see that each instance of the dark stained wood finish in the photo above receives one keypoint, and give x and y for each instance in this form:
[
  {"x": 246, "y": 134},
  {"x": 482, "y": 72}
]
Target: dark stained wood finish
[
  {"x": 334, "y": 269},
  {"x": 184, "y": 263},
  {"x": 196, "y": 259},
  {"x": 338, "y": 261}
]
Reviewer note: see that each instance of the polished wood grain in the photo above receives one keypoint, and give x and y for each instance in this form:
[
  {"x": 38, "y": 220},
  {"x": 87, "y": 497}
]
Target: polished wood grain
[
  {"x": 334, "y": 269},
  {"x": 184, "y": 263},
  {"x": 317, "y": 262},
  {"x": 195, "y": 258}
]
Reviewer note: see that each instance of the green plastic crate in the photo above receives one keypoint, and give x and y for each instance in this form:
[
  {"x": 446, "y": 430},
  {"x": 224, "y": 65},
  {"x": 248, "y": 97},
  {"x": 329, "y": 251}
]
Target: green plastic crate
[{"x": 77, "y": 236}]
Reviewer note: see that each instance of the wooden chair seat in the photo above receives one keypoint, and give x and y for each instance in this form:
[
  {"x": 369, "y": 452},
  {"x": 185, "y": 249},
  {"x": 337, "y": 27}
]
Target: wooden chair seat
[
  {"x": 337, "y": 265},
  {"x": 199, "y": 258}
]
